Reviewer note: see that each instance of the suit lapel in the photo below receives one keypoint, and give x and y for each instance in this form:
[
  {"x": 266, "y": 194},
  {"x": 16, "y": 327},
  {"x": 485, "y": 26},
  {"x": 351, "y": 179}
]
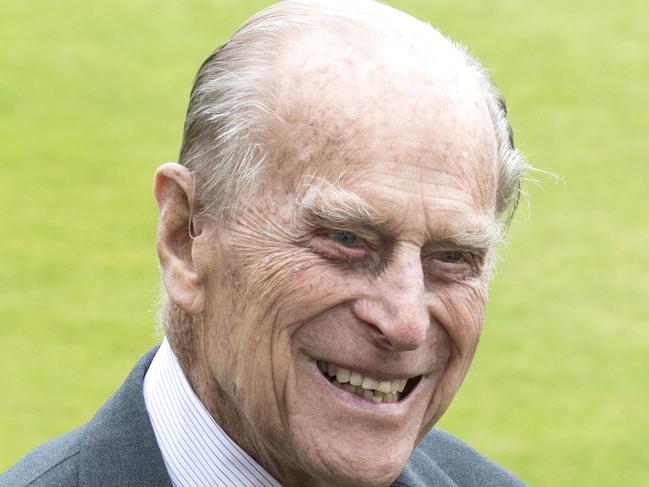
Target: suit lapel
[{"x": 120, "y": 448}]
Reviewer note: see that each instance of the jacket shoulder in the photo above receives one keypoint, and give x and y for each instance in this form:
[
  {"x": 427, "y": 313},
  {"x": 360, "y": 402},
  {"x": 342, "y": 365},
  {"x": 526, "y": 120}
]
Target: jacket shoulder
[
  {"x": 444, "y": 460},
  {"x": 53, "y": 463},
  {"x": 117, "y": 447}
]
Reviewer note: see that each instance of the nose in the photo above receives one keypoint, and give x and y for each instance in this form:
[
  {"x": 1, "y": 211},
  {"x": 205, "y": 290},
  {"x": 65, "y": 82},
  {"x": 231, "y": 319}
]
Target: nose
[{"x": 395, "y": 307}]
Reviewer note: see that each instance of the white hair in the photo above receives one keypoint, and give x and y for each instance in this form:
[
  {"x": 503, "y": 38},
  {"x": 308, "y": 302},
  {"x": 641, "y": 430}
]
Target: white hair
[{"x": 230, "y": 134}]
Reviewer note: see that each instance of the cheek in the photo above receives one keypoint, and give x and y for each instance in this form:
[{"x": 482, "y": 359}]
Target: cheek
[
  {"x": 460, "y": 309},
  {"x": 255, "y": 307},
  {"x": 292, "y": 288}
]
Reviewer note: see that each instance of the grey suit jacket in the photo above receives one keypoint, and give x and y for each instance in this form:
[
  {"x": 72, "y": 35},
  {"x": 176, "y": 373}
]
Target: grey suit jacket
[{"x": 118, "y": 448}]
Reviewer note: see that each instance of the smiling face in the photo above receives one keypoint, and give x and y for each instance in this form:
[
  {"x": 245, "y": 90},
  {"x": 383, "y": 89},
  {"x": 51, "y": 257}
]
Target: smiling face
[{"x": 343, "y": 308}]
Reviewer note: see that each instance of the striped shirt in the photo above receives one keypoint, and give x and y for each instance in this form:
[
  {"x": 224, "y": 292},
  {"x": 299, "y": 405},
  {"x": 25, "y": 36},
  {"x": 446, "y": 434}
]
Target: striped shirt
[{"x": 195, "y": 450}]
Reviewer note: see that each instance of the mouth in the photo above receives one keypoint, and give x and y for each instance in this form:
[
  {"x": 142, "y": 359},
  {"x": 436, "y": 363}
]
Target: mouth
[{"x": 369, "y": 388}]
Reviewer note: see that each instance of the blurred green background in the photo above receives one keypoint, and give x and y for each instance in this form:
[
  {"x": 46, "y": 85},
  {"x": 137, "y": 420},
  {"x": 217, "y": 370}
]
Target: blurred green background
[{"x": 92, "y": 99}]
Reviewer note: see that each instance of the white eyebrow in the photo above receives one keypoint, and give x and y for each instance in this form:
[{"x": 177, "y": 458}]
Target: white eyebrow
[
  {"x": 338, "y": 206},
  {"x": 335, "y": 206},
  {"x": 484, "y": 232}
]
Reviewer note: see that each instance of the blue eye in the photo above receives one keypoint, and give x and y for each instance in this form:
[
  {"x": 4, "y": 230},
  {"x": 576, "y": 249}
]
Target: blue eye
[
  {"x": 451, "y": 257},
  {"x": 346, "y": 239}
]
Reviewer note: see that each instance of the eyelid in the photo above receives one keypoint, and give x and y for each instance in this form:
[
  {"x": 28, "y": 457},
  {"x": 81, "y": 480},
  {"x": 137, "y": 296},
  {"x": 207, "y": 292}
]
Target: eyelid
[
  {"x": 469, "y": 257},
  {"x": 462, "y": 256},
  {"x": 358, "y": 240},
  {"x": 440, "y": 248},
  {"x": 439, "y": 255},
  {"x": 322, "y": 243},
  {"x": 369, "y": 238},
  {"x": 437, "y": 270}
]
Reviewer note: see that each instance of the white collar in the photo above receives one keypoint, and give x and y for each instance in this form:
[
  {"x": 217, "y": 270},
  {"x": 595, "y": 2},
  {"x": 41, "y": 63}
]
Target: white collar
[{"x": 196, "y": 451}]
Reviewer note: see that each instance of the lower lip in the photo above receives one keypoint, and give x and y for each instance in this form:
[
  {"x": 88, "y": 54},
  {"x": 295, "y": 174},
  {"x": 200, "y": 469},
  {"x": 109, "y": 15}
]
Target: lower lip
[{"x": 390, "y": 408}]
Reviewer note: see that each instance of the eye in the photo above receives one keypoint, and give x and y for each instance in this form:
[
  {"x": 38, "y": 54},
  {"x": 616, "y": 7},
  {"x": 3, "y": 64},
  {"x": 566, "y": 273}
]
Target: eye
[
  {"x": 339, "y": 245},
  {"x": 346, "y": 239},
  {"x": 451, "y": 257},
  {"x": 451, "y": 265}
]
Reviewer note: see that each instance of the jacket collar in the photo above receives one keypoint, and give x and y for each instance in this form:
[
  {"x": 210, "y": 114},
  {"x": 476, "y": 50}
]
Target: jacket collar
[{"x": 120, "y": 447}]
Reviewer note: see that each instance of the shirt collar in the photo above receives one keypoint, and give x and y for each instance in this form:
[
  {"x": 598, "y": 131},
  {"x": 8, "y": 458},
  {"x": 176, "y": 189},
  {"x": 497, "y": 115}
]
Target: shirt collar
[{"x": 195, "y": 449}]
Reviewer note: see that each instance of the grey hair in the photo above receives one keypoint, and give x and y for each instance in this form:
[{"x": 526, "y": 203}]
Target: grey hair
[{"x": 231, "y": 128}]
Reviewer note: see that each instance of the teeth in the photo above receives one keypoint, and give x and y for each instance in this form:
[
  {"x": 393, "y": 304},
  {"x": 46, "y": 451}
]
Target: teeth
[
  {"x": 355, "y": 379},
  {"x": 342, "y": 375},
  {"x": 386, "y": 391},
  {"x": 331, "y": 370},
  {"x": 390, "y": 397},
  {"x": 384, "y": 386},
  {"x": 369, "y": 383}
]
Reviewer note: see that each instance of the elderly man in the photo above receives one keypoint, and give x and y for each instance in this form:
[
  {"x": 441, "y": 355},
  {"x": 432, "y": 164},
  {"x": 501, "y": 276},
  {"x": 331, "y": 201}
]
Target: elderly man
[{"x": 325, "y": 247}]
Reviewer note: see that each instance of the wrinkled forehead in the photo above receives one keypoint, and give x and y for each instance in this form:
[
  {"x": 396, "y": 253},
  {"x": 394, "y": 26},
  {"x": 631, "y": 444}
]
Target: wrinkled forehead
[{"x": 342, "y": 110}]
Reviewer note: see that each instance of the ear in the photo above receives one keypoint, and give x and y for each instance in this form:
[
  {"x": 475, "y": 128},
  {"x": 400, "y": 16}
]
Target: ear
[{"x": 174, "y": 191}]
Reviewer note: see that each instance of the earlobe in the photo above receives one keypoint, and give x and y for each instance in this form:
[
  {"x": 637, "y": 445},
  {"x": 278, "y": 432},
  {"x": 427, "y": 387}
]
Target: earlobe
[{"x": 174, "y": 192}]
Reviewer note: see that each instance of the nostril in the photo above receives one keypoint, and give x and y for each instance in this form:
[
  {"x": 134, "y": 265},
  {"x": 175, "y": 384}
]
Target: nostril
[
  {"x": 394, "y": 326},
  {"x": 399, "y": 336},
  {"x": 380, "y": 339}
]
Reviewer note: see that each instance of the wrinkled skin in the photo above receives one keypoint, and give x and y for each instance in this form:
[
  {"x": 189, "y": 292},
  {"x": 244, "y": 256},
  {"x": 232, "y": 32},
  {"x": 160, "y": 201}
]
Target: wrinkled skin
[{"x": 278, "y": 289}]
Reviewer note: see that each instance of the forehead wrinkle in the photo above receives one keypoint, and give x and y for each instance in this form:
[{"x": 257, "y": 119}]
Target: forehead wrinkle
[{"x": 435, "y": 175}]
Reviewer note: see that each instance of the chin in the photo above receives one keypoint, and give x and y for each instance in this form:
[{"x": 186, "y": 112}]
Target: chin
[
  {"x": 359, "y": 470},
  {"x": 351, "y": 456}
]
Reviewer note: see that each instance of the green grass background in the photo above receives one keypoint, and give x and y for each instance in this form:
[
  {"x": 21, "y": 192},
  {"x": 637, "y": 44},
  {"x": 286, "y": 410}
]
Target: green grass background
[{"x": 92, "y": 99}]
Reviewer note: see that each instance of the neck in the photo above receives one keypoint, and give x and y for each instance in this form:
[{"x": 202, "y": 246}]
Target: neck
[{"x": 240, "y": 429}]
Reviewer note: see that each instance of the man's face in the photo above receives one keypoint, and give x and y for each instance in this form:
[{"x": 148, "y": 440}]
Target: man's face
[{"x": 344, "y": 306}]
